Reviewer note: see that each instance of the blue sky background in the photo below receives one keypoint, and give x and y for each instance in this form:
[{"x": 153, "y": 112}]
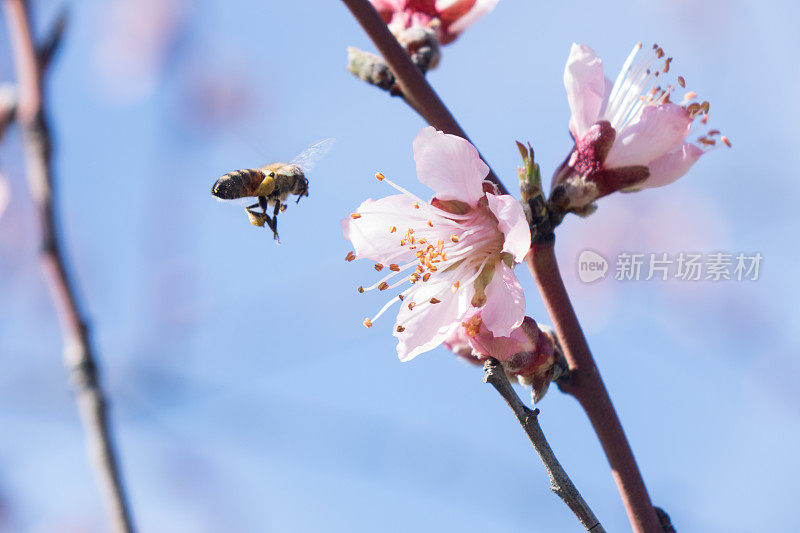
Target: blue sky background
[{"x": 247, "y": 396}]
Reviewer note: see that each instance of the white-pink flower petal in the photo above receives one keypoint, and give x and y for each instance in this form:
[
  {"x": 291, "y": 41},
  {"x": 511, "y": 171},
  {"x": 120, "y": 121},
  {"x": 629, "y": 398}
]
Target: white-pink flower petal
[
  {"x": 586, "y": 87},
  {"x": 672, "y": 166},
  {"x": 479, "y": 9},
  {"x": 505, "y": 302},
  {"x": 427, "y": 325},
  {"x": 512, "y": 222},
  {"x": 659, "y": 130},
  {"x": 450, "y": 166},
  {"x": 370, "y": 234}
]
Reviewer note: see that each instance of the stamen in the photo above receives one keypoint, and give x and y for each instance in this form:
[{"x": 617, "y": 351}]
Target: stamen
[
  {"x": 411, "y": 306},
  {"x": 400, "y": 329},
  {"x": 367, "y": 322},
  {"x": 454, "y": 238},
  {"x": 435, "y": 301},
  {"x": 361, "y": 289},
  {"x": 430, "y": 223},
  {"x": 383, "y": 286},
  {"x": 380, "y": 176},
  {"x": 350, "y": 256},
  {"x": 726, "y": 141},
  {"x": 386, "y": 306},
  {"x": 394, "y": 268},
  {"x": 392, "y": 229},
  {"x": 378, "y": 267},
  {"x": 426, "y": 277},
  {"x": 454, "y": 288},
  {"x": 355, "y": 215},
  {"x": 416, "y": 205},
  {"x": 682, "y": 81}
]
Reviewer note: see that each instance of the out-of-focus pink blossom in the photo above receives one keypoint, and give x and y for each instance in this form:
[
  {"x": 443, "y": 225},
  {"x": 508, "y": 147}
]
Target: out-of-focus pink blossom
[
  {"x": 449, "y": 17},
  {"x": 457, "y": 251},
  {"x": 134, "y": 44},
  {"x": 628, "y": 134},
  {"x": 528, "y": 353}
]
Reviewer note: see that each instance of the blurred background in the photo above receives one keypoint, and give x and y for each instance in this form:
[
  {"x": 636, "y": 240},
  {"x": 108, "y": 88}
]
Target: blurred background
[{"x": 245, "y": 393}]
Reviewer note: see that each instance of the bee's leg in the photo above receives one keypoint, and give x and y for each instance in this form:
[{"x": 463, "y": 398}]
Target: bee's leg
[
  {"x": 304, "y": 193},
  {"x": 262, "y": 202},
  {"x": 272, "y": 222},
  {"x": 256, "y": 218}
]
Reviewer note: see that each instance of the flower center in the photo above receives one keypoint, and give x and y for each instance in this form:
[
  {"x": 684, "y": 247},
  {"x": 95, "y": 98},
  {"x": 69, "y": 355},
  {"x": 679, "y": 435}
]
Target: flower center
[{"x": 446, "y": 250}]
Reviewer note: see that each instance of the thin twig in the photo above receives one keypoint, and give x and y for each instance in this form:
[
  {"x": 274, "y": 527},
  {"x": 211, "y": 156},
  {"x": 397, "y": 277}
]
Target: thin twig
[
  {"x": 560, "y": 482},
  {"x": 415, "y": 88},
  {"x": 78, "y": 352},
  {"x": 594, "y": 400},
  {"x": 586, "y": 385}
]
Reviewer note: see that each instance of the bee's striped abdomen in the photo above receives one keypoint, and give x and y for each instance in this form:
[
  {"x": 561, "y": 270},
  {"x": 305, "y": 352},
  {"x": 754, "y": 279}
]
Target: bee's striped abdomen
[{"x": 238, "y": 184}]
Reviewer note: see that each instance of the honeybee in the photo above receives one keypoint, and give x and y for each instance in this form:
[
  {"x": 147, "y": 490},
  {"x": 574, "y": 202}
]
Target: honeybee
[{"x": 271, "y": 184}]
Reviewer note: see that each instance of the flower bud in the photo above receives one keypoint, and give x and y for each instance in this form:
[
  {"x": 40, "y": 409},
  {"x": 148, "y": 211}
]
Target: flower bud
[
  {"x": 422, "y": 44},
  {"x": 370, "y": 68},
  {"x": 529, "y": 354}
]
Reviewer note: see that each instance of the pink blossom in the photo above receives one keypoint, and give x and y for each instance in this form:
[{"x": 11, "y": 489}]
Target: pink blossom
[
  {"x": 451, "y": 16},
  {"x": 628, "y": 134},
  {"x": 456, "y": 252},
  {"x": 528, "y": 353}
]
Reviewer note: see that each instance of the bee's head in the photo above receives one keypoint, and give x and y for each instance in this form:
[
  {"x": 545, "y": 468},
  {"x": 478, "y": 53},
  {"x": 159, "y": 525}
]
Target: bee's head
[
  {"x": 301, "y": 187},
  {"x": 224, "y": 188}
]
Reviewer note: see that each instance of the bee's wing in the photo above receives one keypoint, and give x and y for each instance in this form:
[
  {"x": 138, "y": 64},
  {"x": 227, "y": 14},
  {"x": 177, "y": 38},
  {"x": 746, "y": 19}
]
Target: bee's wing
[{"x": 312, "y": 154}]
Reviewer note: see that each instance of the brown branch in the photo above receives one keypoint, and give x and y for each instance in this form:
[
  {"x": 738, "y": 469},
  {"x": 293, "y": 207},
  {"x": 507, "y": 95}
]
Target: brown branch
[
  {"x": 587, "y": 387},
  {"x": 415, "y": 88},
  {"x": 560, "y": 482},
  {"x": 78, "y": 351}
]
